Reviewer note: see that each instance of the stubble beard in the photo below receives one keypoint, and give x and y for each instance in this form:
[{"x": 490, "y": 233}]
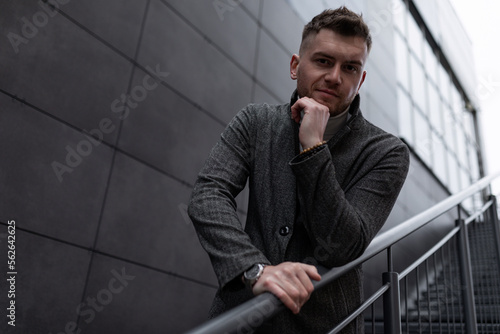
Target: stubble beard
[
  {"x": 336, "y": 108},
  {"x": 342, "y": 106}
]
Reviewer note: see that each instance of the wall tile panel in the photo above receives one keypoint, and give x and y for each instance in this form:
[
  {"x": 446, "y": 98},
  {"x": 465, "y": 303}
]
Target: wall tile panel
[
  {"x": 145, "y": 221},
  {"x": 282, "y": 22},
  {"x": 149, "y": 301},
  {"x": 226, "y": 24},
  {"x": 273, "y": 68},
  {"x": 168, "y": 132},
  {"x": 48, "y": 286},
  {"x": 117, "y": 22},
  {"x": 30, "y": 142},
  {"x": 196, "y": 68},
  {"x": 62, "y": 69}
]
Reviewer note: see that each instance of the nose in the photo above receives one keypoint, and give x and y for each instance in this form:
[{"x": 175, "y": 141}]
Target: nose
[{"x": 334, "y": 75}]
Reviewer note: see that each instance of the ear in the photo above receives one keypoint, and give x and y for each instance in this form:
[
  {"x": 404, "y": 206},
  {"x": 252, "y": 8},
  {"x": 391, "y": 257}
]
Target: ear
[
  {"x": 294, "y": 65},
  {"x": 361, "y": 82}
]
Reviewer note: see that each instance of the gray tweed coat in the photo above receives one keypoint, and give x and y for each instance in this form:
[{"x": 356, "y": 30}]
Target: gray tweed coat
[{"x": 322, "y": 207}]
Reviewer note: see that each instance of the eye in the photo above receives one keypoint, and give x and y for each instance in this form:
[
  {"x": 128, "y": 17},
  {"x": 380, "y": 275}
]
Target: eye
[
  {"x": 350, "y": 68},
  {"x": 323, "y": 61}
]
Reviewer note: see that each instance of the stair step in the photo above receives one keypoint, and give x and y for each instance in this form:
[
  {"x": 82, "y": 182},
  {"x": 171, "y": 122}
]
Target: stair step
[
  {"x": 425, "y": 328},
  {"x": 440, "y": 299}
]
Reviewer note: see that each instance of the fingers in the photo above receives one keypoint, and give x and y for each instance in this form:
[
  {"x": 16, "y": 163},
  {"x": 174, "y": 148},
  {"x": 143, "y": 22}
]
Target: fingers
[
  {"x": 296, "y": 109},
  {"x": 312, "y": 271},
  {"x": 308, "y": 105},
  {"x": 313, "y": 123},
  {"x": 290, "y": 282}
]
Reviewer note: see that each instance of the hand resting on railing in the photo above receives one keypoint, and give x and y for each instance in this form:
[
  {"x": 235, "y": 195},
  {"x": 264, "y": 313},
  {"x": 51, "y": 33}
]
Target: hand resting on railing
[{"x": 290, "y": 282}]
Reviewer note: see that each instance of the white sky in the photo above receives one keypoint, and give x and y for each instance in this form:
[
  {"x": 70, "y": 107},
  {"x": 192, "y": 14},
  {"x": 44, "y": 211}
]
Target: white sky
[{"x": 480, "y": 19}]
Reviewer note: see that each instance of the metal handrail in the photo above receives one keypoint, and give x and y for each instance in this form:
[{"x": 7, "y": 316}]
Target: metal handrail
[
  {"x": 267, "y": 305},
  {"x": 427, "y": 254},
  {"x": 361, "y": 308}
]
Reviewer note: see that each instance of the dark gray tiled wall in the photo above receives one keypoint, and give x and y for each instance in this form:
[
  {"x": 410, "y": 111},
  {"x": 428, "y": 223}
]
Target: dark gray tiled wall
[
  {"x": 67, "y": 208},
  {"x": 239, "y": 44},
  {"x": 165, "y": 125},
  {"x": 49, "y": 284},
  {"x": 144, "y": 301},
  {"x": 262, "y": 95},
  {"x": 197, "y": 69},
  {"x": 287, "y": 30},
  {"x": 63, "y": 70},
  {"x": 118, "y": 22},
  {"x": 122, "y": 206},
  {"x": 145, "y": 221},
  {"x": 253, "y": 6},
  {"x": 277, "y": 67}
]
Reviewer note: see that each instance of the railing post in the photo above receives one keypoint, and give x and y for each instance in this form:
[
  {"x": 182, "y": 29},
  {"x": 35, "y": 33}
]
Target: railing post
[
  {"x": 466, "y": 276},
  {"x": 493, "y": 216},
  {"x": 392, "y": 310}
]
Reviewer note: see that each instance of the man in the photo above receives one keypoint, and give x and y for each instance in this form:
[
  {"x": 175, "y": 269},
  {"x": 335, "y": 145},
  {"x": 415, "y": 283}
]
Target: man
[{"x": 322, "y": 182}]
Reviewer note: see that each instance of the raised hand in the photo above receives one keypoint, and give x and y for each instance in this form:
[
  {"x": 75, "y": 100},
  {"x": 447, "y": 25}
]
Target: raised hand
[{"x": 313, "y": 123}]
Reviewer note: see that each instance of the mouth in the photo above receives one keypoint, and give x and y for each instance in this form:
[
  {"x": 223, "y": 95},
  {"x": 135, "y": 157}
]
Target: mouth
[{"x": 328, "y": 92}]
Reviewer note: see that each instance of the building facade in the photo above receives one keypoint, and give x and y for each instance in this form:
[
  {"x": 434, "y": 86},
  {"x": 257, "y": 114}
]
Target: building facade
[{"x": 109, "y": 109}]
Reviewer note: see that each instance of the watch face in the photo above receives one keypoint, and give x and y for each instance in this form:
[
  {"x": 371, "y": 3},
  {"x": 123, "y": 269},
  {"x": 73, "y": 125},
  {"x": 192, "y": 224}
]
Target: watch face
[
  {"x": 252, "y": 275},
  {"x": 252, "y": 272}
]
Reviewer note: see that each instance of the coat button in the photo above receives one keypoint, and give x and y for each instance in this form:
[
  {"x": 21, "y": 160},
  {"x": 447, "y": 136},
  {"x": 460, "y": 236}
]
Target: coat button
[{"x": 285, "y": 230}]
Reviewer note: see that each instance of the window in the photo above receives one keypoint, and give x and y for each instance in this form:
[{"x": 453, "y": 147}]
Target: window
[
  {"x": 415, "y": 38},
  {"x": 418, "y": 84},
  {"x": 464, "y": 179},
  {"x": 457, "y": 103},
  {"x": 402, "y": 62},
  {"x": 473, "y": 162},
  {"x": 405, "y": 112},
  {"x": 461, "y": 146},
  {"x": 435, "y": 108},
  {"x": 439, "y": 157},
  {"x": 444, "y": 84},
  {"x": 449, "y": 125},
  {"x": 454, "y": 179},
  {"x": 431, "y": 64},
  {"x": 423, "y": 144},
  {"x": 468, "y": 121},
  {"x": 399, "y": 16}
]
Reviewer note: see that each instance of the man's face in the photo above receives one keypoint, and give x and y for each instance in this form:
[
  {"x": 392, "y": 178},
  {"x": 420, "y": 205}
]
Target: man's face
[{"x": 330, "y": 69}]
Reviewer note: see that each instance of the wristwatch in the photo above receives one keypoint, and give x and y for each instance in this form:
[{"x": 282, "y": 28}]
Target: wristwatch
[{"x": 251, "y": 276}]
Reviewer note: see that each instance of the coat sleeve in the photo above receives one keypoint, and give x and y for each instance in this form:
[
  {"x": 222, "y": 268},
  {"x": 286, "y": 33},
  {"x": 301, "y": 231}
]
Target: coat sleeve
[
  {"x": 341, "y": 224},
  {"x": 212, "y": 207}
]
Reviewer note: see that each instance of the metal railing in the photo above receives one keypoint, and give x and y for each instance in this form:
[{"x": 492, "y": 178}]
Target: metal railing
[{"x": 459, "y": 311}]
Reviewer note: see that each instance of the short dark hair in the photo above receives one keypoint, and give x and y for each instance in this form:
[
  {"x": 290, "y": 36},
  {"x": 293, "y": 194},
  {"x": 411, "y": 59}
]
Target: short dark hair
[{"x": 340, "y": 20}]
